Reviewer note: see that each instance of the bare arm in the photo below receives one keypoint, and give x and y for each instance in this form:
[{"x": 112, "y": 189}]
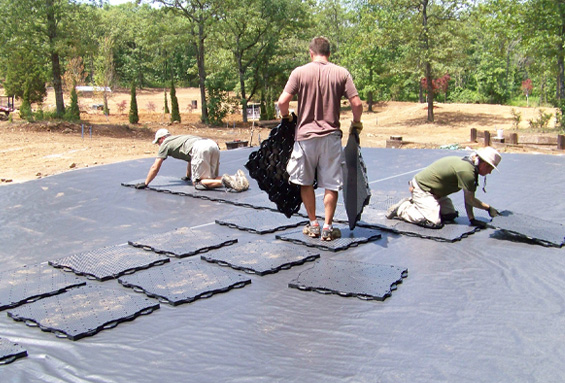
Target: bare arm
[
  {"x": 154, "y": 170},
  {"x": 284, "y": 102},
  {"x": 356, "y": 108},
  {"x": 472, "y": 202}
]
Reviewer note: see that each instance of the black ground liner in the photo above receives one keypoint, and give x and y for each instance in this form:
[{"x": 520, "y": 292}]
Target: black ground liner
[
  {"x": 184, "y": 281},
  {"x": 174, "y": 185},
  {"x": 537, "y": 230},
  {"x": 261, "y": 221},
  {"x": 349, "y": 238},
  {"x": 356, "y": 191},
  {"x": 183, "y": 242},
  {"x": 261, "y": 257},
  {"x": 450, "y": 232},
  {"x": 350, "y": 279},
  {"x": 267, "y": 166},
  {"x": 109, "y": 262},
  {"x": 10, "y": 351},
  {"x": 29, "y": 283},
  {"x": 83, "y": 311}
]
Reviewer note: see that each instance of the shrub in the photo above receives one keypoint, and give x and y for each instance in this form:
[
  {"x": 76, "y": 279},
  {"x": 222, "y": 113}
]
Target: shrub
[
  {"x": 516, "y": 118},
  {"x": 175, "y": 114},
  {"x": 542, "y": 121},
  {"x": 133, "y": 113}
]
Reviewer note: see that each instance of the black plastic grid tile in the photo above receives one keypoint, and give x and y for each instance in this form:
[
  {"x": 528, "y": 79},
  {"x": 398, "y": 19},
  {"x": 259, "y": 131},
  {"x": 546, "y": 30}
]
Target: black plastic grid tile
[
  {"x": 261, "y": 257},
  {"x": 9, "y": 351},
  {"x": 183, "y": 242},
  {"x": 29, "y": 283},
  {"x": 109, "y": 262},
  {"x": 83, "y": 311},
  {"x": 261, "y": 221},
  {"x": 349, "y": 238},
  {"x": 537, "y": 230},
  {"x": 177, "y": 186},
  {"x": 184, "y": 281},
  {"x": 450, "y": 232},
  {"x": 356, "y": 191},
  {"x": 350, "y": 279}
]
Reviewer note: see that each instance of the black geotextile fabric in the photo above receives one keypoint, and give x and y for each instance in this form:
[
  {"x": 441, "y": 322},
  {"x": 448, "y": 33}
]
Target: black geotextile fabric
[
  {"x": 83, "y": 311},
  {"x": 177, "y": 186},
  {"x": 261, "y": 257},
  {"x": 356, "y": 190},
  {"x": 536, "y": 230},
  {"x": 10, "y": 351},
  {"x": 183, "y": 242},
  {"x": 477, "y": 310},
  {"x": 350, "y": 279},
  {"x": 349, "y": 238},
  {"x": 267, "y": 166},
  {"x": 28, "y": 283},
  {"x": 109, "y": 262},
  {"x": 261, "y": 221},
  {"x": 184, "y": 281}
]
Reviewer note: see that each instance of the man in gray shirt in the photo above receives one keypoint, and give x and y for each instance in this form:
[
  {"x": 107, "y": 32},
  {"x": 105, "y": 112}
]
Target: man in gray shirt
[{"x": 203, "y": 158}]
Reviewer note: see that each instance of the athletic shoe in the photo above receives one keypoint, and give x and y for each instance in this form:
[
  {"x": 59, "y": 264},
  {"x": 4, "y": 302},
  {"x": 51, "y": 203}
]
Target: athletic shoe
[
  {"x": 228, "y": 181},
  {"x": 241, "y": 181},
  {"x": 393, "y": 210},
  {"x": 312, "y": 231},
  {"x": 330, "y": 234}
]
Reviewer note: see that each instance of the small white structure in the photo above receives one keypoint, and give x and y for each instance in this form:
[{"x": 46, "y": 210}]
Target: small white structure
[{"x": 91, "y": 89}]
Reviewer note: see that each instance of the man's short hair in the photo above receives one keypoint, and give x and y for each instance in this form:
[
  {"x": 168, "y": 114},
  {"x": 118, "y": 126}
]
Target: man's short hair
[{"x": 320, "y": 46}]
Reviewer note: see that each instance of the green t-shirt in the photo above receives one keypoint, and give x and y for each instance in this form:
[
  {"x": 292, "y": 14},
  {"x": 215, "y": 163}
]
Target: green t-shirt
[
  {"x": 178, "y": 147},
  {"x": 448, "y": 175}
]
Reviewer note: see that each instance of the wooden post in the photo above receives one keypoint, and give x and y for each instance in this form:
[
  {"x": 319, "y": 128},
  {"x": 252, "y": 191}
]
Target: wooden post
[
  {"x": 513, "y": 139},
  {"x": 487, "y": 138},
  {"x": 473, "y": 135},
  {"x": 561, "y": 142}
]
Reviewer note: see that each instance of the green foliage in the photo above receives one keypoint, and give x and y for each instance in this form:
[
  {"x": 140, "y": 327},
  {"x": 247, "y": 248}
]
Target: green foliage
[
  {"x": 516, "y": 118},
  {"x": 560, "y": 116},
  {"x": 133, "y": 113},
  {"x": 267, "y": 105},
  {"x": 466, "y": 96},
  {"x": 175, "y": 114},
  {"x": 25, "y": 110},
  {"x": 73, "y": 113},
  {"x": 541, "y": 122},
  {"x": 166, "y": 108}
]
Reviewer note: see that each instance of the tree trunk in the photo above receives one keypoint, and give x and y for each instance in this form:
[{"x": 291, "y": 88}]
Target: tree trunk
[
  {"x": 241, "y": 72},
  {"x": 202, "y": 72},
  {"x": 428, "y": 63},
  {"x": 560, "y": 58},
  {"x": 55, "y": 64}
]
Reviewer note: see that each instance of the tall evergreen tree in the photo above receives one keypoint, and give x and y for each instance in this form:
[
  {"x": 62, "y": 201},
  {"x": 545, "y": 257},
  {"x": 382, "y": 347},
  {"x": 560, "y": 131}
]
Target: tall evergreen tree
[
  {"x": 167, "y": 111},
  {"x": 175, "y": 114},
  {"x": 74, "y": 111},
  {"x": 133, "y": 115}
]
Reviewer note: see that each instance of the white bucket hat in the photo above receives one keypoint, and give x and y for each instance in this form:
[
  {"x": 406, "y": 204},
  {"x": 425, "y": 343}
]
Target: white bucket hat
[
  {"x": 161, "y": 133},
  {"x": 490, "y": 155}
]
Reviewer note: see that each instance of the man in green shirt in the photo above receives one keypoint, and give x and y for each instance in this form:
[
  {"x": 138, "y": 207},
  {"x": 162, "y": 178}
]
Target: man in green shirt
[
  {"x": 430, "y": 205},
  {"x": 203, "y": 157}
]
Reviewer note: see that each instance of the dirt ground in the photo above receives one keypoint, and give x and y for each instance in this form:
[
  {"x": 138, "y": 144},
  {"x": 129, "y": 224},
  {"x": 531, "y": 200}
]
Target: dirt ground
[{"x": 34, "y": 150}]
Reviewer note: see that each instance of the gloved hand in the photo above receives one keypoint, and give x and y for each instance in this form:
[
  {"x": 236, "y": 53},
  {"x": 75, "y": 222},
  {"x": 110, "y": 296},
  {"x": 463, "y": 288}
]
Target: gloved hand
[
  {"x": 140, "y": 185},
  {"x": 492, "y": 212},
  {"x": 477, "y": 223},
  {"x": 356, "y": 126},
  {"x": 288, "y": 118}
]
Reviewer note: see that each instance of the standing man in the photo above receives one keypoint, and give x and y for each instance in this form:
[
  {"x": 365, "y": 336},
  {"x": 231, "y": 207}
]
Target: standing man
[
  {"x": 203, "y": 157},
  {"x": 430, "y": 205},
  {"x": 317, "y": 153}
]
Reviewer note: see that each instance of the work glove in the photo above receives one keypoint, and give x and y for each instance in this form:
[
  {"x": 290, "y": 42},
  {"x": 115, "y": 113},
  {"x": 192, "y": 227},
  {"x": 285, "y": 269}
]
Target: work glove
[
  {"x": 288, "y": 118},
  {"x": 140, "y": 185},
  {"x": 493, "y": 212},
  {"x": 356, "y": 126},
  {"x": 477, "y": 223}
]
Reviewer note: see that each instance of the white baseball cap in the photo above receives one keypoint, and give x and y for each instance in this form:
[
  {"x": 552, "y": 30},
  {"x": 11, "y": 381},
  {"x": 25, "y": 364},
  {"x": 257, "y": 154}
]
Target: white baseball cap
[
  {"x": 490, "y": 155},
  {"x": 161, "y": 133}
]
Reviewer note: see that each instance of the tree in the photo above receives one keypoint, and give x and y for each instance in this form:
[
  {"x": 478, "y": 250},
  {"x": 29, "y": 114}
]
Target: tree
[
  {"x": 166, "y": 108},
  {"x": 74, "y": 111},
  {"x": 104, "y": 66},
  {"x": 175, "y": 114},
  {"x": 199, "y": 14},
  {"x": 133, "y": 114}
]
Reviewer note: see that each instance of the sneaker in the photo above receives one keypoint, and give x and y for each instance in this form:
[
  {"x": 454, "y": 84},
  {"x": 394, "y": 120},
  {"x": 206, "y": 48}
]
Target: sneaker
[
  {"x": 330, "y": 234},
  {"x": 228, "y": 181},
  {"x": 241, "y": 181},
  {"x": 312, "y": 231},
  {"x": 393, "y": 210},
  {"x": 429, "y": 225}
]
